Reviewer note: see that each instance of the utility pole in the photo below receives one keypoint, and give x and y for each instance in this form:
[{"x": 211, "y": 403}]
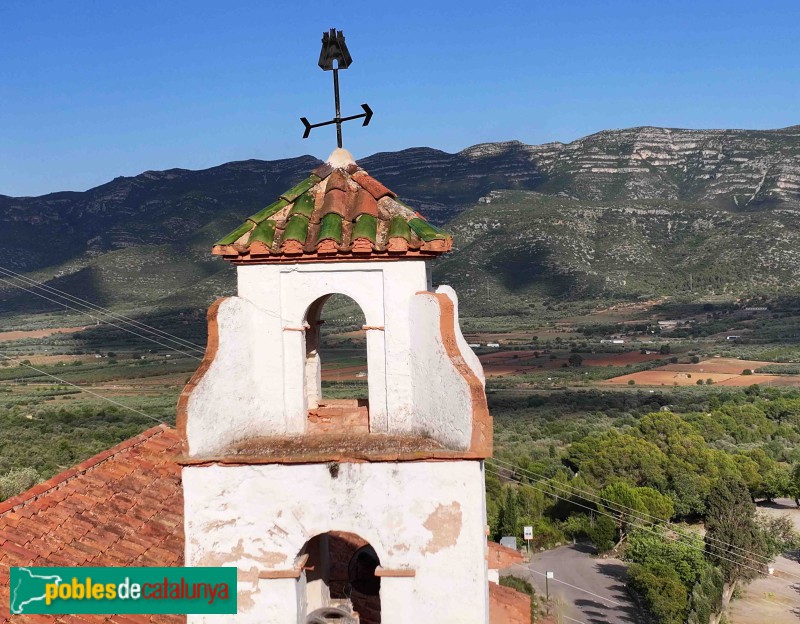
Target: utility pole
[{"x": 547, "y": 576}]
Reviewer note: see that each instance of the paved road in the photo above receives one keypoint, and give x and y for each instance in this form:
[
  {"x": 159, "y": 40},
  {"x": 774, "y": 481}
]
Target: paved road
[{"x": 603, "y": 577}]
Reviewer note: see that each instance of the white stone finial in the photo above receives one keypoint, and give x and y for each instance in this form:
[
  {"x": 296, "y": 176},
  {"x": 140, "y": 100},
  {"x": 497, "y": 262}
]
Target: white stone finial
[{"x": 340, "y": 158}]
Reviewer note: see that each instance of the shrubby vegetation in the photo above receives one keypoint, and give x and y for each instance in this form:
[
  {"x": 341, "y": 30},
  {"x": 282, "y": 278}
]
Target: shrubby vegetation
[
  {"x": 36, "y": 443},
  {"x": 615, "y": 474}
]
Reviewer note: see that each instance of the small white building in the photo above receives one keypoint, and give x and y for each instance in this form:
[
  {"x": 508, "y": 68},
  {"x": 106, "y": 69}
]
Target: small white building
[{"x": 376, "y": 507}]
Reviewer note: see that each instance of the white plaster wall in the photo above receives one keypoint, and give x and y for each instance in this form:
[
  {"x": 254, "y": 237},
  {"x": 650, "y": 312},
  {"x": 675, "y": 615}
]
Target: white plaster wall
[
  {"x": 466, "y": 351},
  {"x": 257, "y": 384},
  {"x": 442, "y": 398},
  {"x": 227, "y": 404},
  {"x": 428, "y": 516}
]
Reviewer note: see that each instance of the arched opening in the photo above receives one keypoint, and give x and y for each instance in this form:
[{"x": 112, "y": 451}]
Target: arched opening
[
  {"x": 336, "y": 371},
  {"x": 340, "y": 581}
]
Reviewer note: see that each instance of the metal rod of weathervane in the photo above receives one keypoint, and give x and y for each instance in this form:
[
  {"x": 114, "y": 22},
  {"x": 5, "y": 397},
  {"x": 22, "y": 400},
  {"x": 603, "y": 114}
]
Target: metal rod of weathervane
[{"x": 334, "y": 50}]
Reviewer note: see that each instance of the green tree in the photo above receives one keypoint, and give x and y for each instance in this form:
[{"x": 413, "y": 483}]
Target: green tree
[
  {"x": 507, "y": 516},
  {"x": 651, "y": 548},
  {"x": 611, "y": 455},
  {"x": 731, "y": 529},
  {"x": 603, "y": 533},
  {"x": 705, "y": 599},
  {"x": 662, "y": 591},
  {"x": 777, "y": 482},
  {"x": 632, "y": 505},
  {"x": 794, "y": 484},
  {"x": 575, "y": 359},
  {"x": 16, "y": 481}
]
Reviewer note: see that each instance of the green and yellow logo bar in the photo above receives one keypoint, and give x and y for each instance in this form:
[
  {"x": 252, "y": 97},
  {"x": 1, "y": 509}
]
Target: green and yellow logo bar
[{"x": 122, "y": 590}]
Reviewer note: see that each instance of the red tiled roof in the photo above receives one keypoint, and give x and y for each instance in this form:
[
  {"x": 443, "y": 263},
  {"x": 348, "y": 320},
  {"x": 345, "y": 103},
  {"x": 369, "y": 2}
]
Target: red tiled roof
[
  {"x": 500, "y": 557},
  {"x": 121, "y": 507}
]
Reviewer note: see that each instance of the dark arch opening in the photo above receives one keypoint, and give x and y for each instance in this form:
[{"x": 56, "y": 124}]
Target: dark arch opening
[
  {"x": 337, "y": 382},
  {"x": 340, "y": 575}
]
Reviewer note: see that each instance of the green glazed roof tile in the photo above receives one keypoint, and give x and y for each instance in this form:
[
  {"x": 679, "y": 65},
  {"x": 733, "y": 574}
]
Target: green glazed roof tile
[
  {"x": 236, "y": 234},
  {"x": 304, "y": 205},
  {"x": 331, "y": 227},
  {"x": 269, "y": 211},
  {"x": 398, "y": 228},
  {"x": 301, "y": 188},
  {"x": 348, "y": 207},
  {"x": 366, "y": 227},
  {"x": 296, "y": 229},
  {"x": 264, "y": 232},
  {"x": 425, "y": 230}
]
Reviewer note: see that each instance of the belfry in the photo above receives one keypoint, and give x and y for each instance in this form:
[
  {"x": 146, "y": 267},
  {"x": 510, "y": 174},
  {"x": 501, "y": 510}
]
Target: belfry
[{"x": 369, "y": 513}]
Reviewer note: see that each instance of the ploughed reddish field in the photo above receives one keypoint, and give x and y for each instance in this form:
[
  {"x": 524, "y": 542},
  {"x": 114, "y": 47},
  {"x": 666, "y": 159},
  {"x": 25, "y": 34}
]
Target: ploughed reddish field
[
  {"x": 730, "y": 366},
  {"x": 723, "y": 371},
  {"x": 343, "y": 373},
  {"x": 38, "y": 333}
]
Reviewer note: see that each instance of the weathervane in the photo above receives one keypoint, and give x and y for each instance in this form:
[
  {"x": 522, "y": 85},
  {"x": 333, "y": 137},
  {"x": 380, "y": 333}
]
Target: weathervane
[{"x": 335, "y": 49}]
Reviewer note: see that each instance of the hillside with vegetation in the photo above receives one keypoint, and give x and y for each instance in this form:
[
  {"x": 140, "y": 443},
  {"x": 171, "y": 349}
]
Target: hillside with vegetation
[
  {"x": 610, "y": 215},
  {"x": 632, "y": 296}
]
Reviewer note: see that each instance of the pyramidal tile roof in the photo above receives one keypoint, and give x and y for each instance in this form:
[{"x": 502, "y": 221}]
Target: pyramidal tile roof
[{"x": 338, "y": 213}]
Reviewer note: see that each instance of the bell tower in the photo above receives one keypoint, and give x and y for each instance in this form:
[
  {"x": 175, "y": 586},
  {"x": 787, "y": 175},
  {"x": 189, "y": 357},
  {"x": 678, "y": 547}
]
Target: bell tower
[
  {"x": 370, "y": 514},
  {"x": 361, "y": 512}
]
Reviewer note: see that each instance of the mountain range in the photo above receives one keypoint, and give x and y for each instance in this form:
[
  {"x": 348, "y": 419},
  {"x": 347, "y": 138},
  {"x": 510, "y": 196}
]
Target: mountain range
[{"x": 621, "y": 213}]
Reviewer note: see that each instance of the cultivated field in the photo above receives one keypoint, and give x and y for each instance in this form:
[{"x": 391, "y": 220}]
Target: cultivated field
[
  {"x": 520, "y": 362},
  {"x": 38, "y": 333},
  {"x": 722, "y": 371}
]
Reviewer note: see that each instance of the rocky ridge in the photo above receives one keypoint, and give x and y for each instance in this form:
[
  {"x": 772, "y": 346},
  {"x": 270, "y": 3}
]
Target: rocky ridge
[{"x": 703, "y": 179}]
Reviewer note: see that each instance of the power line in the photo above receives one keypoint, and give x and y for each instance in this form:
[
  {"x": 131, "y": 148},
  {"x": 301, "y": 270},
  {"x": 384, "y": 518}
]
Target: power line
[
  {"x": 154, "y": 331},
  {"x": 581, "y": 589},
  {"x": 104, "y": 320},
  {"x": 645, "y": 528},
  {"x": 82, "y": 389},
  {"x": 593, "y": 497},
  {"x": 615, "y": 518},
  {"x": 94, "y": 306}
]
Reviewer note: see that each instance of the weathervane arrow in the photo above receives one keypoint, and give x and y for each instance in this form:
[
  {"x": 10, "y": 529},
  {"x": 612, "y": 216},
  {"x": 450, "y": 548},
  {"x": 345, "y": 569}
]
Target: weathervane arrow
[{"x": 335, "y": 50}]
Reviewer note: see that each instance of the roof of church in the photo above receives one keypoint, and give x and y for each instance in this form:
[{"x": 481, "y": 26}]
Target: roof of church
[
  {"x": 338, "y": 213},
  {"x": 121, "y": 507}
]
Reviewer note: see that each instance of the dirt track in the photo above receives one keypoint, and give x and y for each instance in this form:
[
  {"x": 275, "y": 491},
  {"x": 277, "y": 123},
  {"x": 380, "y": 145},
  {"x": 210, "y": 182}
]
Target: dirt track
[{"x": 774, "y": 599}]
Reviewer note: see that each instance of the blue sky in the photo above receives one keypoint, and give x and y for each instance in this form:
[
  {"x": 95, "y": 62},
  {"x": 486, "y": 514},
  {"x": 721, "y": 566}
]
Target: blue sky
[{"x": 91, "y": 89}]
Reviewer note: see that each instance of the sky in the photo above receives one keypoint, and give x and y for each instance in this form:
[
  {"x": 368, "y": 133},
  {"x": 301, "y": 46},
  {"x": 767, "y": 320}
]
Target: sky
[{"x": 91, "y": 89}]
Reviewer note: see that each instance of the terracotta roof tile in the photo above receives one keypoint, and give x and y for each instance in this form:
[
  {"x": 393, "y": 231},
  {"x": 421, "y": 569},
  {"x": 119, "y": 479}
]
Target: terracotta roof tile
[
  {"x": 336, "y": 200},
  {"x": 375, "y": 188},
  {"x": 123, "y": 506},
  {"x": 364, "y": 203},
  {"x": 323, "y": 171},
  {"x": 322, "y": 218}
]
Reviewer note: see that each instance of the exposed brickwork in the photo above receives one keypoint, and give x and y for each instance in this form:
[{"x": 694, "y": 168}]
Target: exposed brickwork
[
  {"x": 341, "y": 548},
  {"x": 337, "y": 415},
  {"x": 508, "y": 606},
  {"x": 121, "y": 507}
]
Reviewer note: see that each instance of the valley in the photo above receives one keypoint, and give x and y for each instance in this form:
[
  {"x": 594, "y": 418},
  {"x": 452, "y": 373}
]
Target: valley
[{"x": 631, "y": 297}]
